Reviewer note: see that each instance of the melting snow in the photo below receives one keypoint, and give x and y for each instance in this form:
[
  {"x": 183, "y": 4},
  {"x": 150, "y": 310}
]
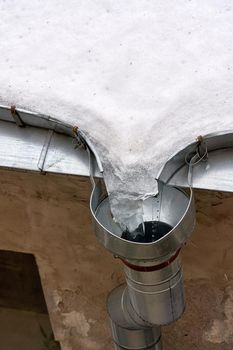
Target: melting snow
[{"x": 142, "y": 78}]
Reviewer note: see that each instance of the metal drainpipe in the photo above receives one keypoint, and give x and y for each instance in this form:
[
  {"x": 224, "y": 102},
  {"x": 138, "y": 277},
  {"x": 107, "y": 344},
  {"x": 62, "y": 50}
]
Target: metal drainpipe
[
  {"x": 153, "y": 296},
  {"x": 154, "y": 293},
  {"x": 128, "y": 330}
]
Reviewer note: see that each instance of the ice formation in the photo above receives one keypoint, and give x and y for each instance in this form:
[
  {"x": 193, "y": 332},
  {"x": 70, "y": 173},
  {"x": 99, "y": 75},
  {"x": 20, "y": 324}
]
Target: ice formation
[{"x": 141, "y": 78}]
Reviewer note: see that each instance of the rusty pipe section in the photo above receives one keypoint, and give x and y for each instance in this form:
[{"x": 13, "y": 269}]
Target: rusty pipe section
[{"x": 154, "y": 292}]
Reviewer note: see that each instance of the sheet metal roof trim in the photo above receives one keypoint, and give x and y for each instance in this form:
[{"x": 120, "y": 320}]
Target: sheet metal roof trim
[
  {"x": 44, "y": 144},
  {"x": 35, "y": 119},
  {"x": 215, "y": 173},
  {"x": 52, "y": 150}
]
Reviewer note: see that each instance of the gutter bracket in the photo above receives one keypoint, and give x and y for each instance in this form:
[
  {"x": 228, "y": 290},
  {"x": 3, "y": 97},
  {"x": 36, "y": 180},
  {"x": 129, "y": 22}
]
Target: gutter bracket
[
  {"x": 192, "y": 159},
  {"x": 84, "y": 142},
  {"x": 44, "y": 151},
  {"x": 16, "y": 116}
]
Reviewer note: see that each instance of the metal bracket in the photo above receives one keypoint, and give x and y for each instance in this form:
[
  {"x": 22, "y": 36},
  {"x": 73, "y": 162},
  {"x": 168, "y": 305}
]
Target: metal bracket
[
  {"x": 16, "y": 117},
  {"x": 200, "y": 155},
  {"x": 44, "y": 151},
  {"x": 84, "y": 142}
]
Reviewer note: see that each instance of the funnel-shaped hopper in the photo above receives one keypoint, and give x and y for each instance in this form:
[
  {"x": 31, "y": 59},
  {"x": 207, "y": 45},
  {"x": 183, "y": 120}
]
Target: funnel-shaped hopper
[{"x": 169, "y": 220}]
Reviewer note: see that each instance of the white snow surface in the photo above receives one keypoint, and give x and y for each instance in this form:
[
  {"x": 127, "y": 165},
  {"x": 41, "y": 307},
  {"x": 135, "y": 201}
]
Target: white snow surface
[{"x": 142, "y": 78}]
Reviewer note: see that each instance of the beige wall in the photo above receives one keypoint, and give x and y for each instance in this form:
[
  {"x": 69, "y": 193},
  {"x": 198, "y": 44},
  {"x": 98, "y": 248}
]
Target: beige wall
[{"x": 48, "y": 215}]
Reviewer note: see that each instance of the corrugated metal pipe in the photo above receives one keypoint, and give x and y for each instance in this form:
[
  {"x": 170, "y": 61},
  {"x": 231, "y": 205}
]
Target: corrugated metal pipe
[{"x": 153, "y": 295}]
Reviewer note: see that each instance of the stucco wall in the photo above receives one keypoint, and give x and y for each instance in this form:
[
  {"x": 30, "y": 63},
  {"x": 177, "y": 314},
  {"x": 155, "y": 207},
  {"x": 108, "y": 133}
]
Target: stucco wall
[{"x": 48, "y": 215}]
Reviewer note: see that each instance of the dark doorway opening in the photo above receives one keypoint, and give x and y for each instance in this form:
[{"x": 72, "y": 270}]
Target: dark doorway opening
[{"x": 24, "y": 319}]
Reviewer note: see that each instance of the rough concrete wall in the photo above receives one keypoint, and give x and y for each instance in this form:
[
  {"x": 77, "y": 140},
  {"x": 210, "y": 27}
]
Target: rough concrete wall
[
  {"x": 208, "y": 268},
  {"x": 48, "y": 215}
]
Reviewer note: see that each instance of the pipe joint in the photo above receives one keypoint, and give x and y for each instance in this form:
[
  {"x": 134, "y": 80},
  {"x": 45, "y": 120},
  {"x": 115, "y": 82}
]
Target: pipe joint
[
  {"x": 157, "y": 296},
  {"x": 129, "y": 331}
]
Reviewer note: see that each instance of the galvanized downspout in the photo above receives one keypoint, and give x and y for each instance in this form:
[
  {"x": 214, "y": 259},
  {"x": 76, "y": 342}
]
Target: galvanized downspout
[
  {"x": 154, "y": 293},
  {"x": 151, "y": 298},
  {"x": 129, "y": 331}
]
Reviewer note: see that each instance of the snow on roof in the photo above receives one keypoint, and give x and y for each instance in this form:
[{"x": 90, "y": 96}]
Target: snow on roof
[{"x": 141, "y": 77}]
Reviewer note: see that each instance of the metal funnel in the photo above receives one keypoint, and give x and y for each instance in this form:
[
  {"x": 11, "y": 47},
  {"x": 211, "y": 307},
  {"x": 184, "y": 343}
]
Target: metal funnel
[
  {"x": 172, "y": 206},
  {"x": 154, "y": 294}
]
